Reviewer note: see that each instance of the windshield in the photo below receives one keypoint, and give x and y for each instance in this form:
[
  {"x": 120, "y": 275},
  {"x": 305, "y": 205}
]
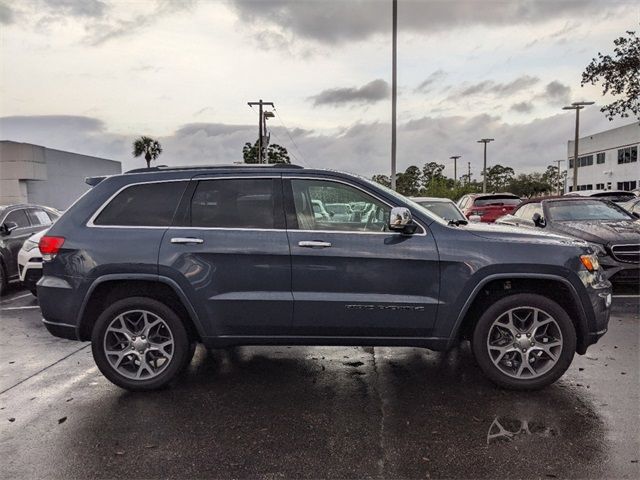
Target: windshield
[
  {"x": 568, "y": 211},
  {"x": 446, "y": 210},
  {"x": 497, "y": 200},
  {"x": 615, "y": 197}
]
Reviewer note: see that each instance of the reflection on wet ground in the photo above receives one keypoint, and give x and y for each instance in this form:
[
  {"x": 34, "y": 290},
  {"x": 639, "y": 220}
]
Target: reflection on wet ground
[{"x": 296, "y": 412}]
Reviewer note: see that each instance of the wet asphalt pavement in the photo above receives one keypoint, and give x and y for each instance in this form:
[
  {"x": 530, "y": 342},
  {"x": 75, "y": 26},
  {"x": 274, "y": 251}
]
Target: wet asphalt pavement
[{"x": 297, "y": 412}]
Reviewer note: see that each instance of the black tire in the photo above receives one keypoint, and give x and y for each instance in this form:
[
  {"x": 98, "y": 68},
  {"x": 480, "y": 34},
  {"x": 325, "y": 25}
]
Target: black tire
[
  {"x": 3, "y": 280},
  {"x": 181, "y": 348},
  {"x": 500, "y": 307}
]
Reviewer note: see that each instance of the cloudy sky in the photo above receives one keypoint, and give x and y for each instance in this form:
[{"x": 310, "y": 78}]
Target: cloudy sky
[{"x": 90, "y": 75}]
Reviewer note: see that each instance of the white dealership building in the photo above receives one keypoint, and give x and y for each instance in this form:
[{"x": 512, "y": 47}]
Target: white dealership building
[
  {"x": 45, "y": 176},
  {"x": 607, "y": 160}
]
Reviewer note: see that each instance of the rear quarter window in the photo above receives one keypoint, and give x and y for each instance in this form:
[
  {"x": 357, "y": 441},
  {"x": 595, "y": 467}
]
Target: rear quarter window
[{"x": 146, "y": 205}]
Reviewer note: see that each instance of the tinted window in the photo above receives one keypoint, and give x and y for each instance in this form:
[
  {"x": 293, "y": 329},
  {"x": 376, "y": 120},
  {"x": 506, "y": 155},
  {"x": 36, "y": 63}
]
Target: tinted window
[
  {"x": 497, "y": 200},
  {"x": 337, "y": 214},
  {"x": 236, "y": 203},
  {"x": 38, "y": 217},
  {"x": 148, "y": 205},
  {"x": 524, "y": 211},
  {"x": 19, "y": 217}
]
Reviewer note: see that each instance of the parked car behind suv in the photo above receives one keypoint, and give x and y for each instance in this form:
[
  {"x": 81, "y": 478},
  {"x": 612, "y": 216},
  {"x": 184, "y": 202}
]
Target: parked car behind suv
[
  {"x": 611, "y": 231},
  {"x": 17, "y": 223},
  {"x": 443, "y": 207},
  {"x": 488, "y": 206},
  {"x": 148, "y": 263}
]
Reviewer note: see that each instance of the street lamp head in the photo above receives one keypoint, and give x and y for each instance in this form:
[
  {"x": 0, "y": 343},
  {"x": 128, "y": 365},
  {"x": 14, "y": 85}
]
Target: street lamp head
[
  {"x": 455, "y": 157},
  {"x": 486, "y": 140},
  {"x": 579, "y": 104},
  {"x": 268, "y": 115}
]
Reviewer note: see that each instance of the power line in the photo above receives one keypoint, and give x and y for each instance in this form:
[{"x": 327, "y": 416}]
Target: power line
[{"x": 290, "y": 137}]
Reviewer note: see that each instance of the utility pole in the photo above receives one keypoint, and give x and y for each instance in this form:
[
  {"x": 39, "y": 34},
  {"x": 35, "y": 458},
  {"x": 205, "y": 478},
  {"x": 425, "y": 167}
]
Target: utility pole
[
  {"x": 559, "y": 175},
  {"x": 394, "y": 89},
  {"x": 261, "y": 124},
  {"x": 455, "y": 167},
  {"x": 577, "y": 106},
  {"x": 484, "y": 170},
  {"x": 468, "y": 173}
]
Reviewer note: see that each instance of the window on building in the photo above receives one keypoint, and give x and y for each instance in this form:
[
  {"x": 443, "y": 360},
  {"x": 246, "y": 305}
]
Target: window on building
[
  {"x": 571, "y": 163},
  {"x": 628, "y": 154},
  {"x": 584, "y": 161},
  {"x": 600, "y": 158},
  {"x": 599, "y": 186},
  {"x": 148, "y": 205},
  {"x": 236, "y": 203},
  {"x": 630, "y": 185}
]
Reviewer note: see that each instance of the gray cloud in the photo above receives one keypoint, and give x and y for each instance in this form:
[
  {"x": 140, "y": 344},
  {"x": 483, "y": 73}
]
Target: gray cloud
[
  {"x": 370, "y": 93},
  {"x": 6, "y": 14},
  {"x": 432, "y": 80},
  {"x": 76, "y": 8},
  {"x": 522, "y": 107},
  {"x": 360, "y": 148},
  {"x": 332, "y": 22},
  {"x": 556, "y": 93},
  {"x": 496, "y": 88}
]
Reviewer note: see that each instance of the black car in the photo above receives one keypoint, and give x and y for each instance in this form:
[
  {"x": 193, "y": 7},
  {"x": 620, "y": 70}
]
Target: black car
[
  {"x": 612, "y": 231},
  {"x": 17, "y": 224},
  {"x": 148, "y": 263}
]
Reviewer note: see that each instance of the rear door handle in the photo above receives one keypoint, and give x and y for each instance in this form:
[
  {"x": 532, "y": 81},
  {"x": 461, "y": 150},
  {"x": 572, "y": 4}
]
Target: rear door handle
[
  {"x": 314, "y": 244},
  {"x": 186, "y": 240}
]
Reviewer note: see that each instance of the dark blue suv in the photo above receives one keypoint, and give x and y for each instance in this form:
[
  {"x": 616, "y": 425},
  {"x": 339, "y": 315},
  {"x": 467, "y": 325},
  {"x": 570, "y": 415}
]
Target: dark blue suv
[{"x": 148, "y": 263}]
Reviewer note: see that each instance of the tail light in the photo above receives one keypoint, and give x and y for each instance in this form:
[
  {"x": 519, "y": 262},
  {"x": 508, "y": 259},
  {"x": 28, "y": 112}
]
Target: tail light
[{"x": 50, "y": 246}]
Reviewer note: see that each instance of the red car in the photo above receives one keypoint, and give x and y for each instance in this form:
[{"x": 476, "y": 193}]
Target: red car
[{"x": 488, "y": 206}]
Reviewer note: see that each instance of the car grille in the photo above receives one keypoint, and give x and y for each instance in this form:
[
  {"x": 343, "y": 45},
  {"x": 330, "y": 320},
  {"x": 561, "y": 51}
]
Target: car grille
[{"x": 626, "y": 253}]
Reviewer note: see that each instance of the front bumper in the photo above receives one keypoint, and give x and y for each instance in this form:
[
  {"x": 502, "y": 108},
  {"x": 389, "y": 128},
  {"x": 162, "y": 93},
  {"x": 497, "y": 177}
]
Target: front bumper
[
  {"x": 28, "y": 263},
  {"x": 600, "y": 297},
  {"x": 619, "y": 272}
]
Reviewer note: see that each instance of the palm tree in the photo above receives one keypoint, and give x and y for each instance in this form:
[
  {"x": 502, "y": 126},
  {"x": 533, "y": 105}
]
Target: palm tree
[{"x": 149, "y": 147}]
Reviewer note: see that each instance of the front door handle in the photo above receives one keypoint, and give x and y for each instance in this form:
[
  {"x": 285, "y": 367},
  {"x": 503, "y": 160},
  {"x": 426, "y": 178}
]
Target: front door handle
[
  {"x": 186, "y": 240},
  {"x": 314, "y": 244}
]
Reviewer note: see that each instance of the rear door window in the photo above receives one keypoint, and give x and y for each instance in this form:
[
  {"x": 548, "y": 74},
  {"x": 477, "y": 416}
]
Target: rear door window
[
  {"x": 145, "y": 205},
  {"x": 38, "y": 217},
  {"x": 253, "y": 203}
]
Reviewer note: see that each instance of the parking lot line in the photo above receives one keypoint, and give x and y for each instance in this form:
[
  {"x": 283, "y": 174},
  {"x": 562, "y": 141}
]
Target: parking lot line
[
  {"x": 19, "y": 308},
  {"x": 626, "y": 296},
  {"x": 14, "y": 298}
]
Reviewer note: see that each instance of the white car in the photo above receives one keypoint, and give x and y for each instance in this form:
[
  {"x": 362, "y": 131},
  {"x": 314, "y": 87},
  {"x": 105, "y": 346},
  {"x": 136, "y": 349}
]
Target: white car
[{"x": 30, "y": 262}]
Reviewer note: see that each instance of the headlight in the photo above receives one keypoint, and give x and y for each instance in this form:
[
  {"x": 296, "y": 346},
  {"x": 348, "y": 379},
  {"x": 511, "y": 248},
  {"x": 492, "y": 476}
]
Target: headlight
[
  {"x": 590, "y": 262},
  {"x": 29, "y": 245},
  {"x": 598, "y": 249}
]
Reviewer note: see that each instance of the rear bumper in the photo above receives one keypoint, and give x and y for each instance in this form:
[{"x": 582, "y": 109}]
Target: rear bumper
[
  {"x": 61, "y": 330},
  {"x": 59, "y": 305}
]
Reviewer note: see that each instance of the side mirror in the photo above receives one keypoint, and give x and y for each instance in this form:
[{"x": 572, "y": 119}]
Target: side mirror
[
  {"x": 8, "y": 227},
  {"x": 401, "y": 220},
  {"x": 538, "y": 220}
]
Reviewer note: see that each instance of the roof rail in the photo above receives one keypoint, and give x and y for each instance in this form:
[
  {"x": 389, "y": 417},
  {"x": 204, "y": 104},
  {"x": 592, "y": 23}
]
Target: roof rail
[{"x": 166, "y": 168}]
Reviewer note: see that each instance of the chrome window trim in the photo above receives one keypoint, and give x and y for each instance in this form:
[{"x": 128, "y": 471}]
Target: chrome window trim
[
  {"x": 90, "y": 223},
  {"x": 335, "y": 180}
]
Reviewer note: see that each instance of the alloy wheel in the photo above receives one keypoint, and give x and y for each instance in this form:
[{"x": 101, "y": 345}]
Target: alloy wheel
[
  {"x": 524, "y": 342},
  {"x": 138, "y": 344}
]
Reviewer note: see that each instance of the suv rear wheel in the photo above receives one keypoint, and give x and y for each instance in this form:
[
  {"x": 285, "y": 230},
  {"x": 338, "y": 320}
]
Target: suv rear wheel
[
  {"x": 140, "y": 344},
  {"x": 524, "y": 342}
]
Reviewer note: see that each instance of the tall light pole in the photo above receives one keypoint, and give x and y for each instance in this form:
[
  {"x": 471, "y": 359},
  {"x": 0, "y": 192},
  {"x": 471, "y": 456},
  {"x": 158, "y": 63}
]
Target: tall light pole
[
  {"x": 559, "y": 174},
  {"x": 455, "y": 167},
  {"x": 261, "y": 124},
  {"x": 394, "y": 90},
  {"x": 577, "y": 106},
  {"x": 484, "y": 170}
]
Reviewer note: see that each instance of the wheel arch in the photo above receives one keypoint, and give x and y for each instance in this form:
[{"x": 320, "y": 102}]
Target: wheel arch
[
  {"x": 108, "y": 288},
  {"x": 496, "y": 286}
]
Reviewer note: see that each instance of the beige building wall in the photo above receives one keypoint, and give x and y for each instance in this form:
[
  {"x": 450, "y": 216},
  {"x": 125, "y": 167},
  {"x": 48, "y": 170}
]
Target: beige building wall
[{"x": 35, "y": 174}]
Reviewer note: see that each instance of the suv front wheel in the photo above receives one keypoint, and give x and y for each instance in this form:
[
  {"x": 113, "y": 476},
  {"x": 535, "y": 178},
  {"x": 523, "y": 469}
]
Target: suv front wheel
[
  {"x": 524, "y": 341},
  {"x": 139, "y": 344}
]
